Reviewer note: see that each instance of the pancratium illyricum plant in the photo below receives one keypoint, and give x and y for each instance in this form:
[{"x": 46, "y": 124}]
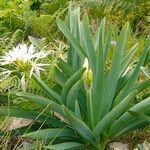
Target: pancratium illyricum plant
[
  {"x": 95, "y": 102},
  {"x": 24, "y": 60}
]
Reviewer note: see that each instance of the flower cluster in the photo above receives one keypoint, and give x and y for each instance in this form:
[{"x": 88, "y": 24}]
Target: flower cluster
[{"x": 23, "y": 59}]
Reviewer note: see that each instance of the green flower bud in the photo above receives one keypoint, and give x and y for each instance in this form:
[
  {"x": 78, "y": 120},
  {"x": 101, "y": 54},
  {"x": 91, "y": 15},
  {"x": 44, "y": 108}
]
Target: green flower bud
[{"x": 87, "y": 76}]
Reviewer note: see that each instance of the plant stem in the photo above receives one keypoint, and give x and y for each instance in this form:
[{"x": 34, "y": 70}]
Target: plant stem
[
  {"x": 102, "y": 146},
  {"x": 90, "y": 108}
]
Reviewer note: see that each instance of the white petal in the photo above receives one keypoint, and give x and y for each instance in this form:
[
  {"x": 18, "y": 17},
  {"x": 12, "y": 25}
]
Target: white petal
[
  {"x": 31, "y": 49},
  {"x": 23, "y": 83},
  {"x": 31, "y": 72}
]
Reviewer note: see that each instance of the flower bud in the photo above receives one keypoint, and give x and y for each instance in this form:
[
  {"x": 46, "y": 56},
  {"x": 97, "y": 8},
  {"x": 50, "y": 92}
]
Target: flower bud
[{"x": 87, "y": 76}]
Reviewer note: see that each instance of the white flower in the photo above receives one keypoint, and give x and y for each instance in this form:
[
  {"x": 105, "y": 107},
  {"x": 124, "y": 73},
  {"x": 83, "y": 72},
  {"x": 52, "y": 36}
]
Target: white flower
[
  {"x": 23, "y": 59},
  {"x": 22, "y": 53},
  {"x": 37, "y": 68}
]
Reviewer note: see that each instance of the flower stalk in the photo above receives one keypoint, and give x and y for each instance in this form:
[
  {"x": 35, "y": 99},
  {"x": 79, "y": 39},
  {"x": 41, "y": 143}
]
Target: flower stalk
[
  {"x": 87, "y": 76},
  {"x": 90, "y": 108}
]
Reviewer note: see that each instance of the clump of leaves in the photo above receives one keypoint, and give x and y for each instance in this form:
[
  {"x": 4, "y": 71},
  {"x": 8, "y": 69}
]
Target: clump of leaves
[{"x": 91, "y": 103}]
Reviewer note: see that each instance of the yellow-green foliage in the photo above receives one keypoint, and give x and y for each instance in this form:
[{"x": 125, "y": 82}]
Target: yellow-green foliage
[
  {"x": 43, "y": 25},
  {"x": 53, "y": 6},
  {"x": 7, "y": 42},
  {"x": 9, "y": 11},
  {"x": 7, "y": 84},
  {"x": 119, "y": 11},
  {"x": 33, "y": 17}
]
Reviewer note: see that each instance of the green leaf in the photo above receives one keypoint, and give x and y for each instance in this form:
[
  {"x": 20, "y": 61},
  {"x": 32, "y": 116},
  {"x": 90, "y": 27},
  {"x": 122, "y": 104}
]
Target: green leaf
[
  {"x": 35, "y": 115},
  {"x": 80, "y": 126},
  {"x": 74, "y": 21},
  {"x": 129, "y": 85},
  {"x": 45, "y": 134},
  {"x": 77, "y": 110},
  {"x": 65, "y": 146},
  {"x": 122, "y": 82},
  {"x": 107, "y": 43},
  {"x": 50, "y": 93},
  {"x": 42, "y": 101},
  {"x": 147, "y": 60},
  {"x": 137, "y": 114},
  {"x": 88, "y": 42},
  {"x": 65, "y": 68},
  {"x": 72, "y": 95},
  {"x": 113, "y": 114},
  {"x": 146, "y": 71},
  {"x": 21, "y": 130},
  {"x": 39, "y": 43},
  {"x": 128, "y": 121},
  {"x": 99, "y": 76},
  {"x": 70, "y": 82},
  {"x": 114, "y": 72},
  {"x": 60, "y": 77},
  {"x": 142, "y": 86},
  {"x": 64, "y": 29},
  {"x": 127, "y": 59}
]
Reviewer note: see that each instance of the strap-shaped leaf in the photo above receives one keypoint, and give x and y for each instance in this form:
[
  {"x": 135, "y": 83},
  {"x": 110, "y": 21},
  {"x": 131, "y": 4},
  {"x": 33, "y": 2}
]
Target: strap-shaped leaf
[
  {"x": 147, "y": 60},
  {"x": 77, "y": 110},
  {"x": 72, "y": 95},
  {"x": 42, "y": 101},
  {"x": 122, "y": 82},
  {"x": 25, "y": 129},
  {"x": 64, "y": 29},
  {"x": 129, "y": 85},
  {"x": 128, "y": 121},
  {"x": 127, "y": 59},
  {"x": 40, "y": 43},
  {"x": 65, "y": 146},
  {"x": 60, "y": 77},
  {"x": 74, "y": 21},
  {"x": 142, "y": 86},
  {"x": 108, "y": 39},
  {"x": 136, "y": 114},
  {"x": 113, "y": 114},
  {"x": 15, "y": 112},
  {"x": 99, "y": 77},
  {"x": 51, "y": 94},
  {"x": 146, "y": 71},
  {"x": 80, "y": 126},
  {"x": 65, "y": 67},
  {"x": 88, "y": 42},
  {"x": 70, "y": 82},
  {"x": 114, "y": 72},
  {"x": 45, "y": 134},
  {"x": 70, "y": 49}
]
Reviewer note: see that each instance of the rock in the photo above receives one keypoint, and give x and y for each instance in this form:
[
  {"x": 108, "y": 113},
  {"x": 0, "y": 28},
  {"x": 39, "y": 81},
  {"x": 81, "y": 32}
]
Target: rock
[
  {"x": 118, "y": 146},
  {"x": 14, "y": 123}
]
